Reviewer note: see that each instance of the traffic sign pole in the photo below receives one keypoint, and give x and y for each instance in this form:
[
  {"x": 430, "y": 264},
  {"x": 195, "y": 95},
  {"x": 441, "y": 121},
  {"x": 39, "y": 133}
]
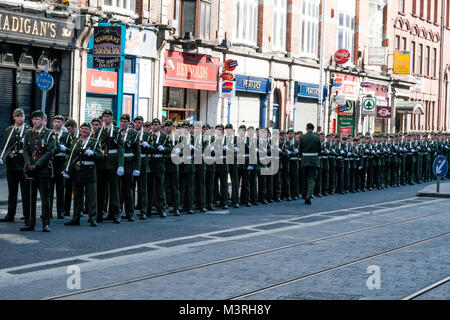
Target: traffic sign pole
[
  {"x": 44, "y": 94},
  {"x": 438, "y": 186}
]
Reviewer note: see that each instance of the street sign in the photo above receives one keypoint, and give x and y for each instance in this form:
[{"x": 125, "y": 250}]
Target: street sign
[
  {"x": 227, "y": 76},
  {"x": 44, "y": 81},
  {"x": 230, "y": 65},
  {"x": 440, "y": 167},
  {"x": 227, "y": 90},
  {"x": 342, "y": 56},
  {"x": 341, "y": 100},
  {"x": 369, "y": 106}
]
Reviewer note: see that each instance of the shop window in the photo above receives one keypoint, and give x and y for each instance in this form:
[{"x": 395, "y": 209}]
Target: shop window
[
  {"x": 245, "y": 27},
  {"x": 189, "y": 17},
  {"x": 180, "y": 104},
  {"x": 279, "y": 25},
  {"x": 310, "y": 27},
  {"x": 129, "y": 66}
]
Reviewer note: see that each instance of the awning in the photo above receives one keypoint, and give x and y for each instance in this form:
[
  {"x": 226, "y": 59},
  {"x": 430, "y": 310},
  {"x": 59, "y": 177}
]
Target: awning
[{"x": 411, "y": 107}]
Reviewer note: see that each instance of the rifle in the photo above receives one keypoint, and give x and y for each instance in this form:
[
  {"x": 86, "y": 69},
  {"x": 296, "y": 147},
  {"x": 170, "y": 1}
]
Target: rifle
[
  {"x": 74, "y": 166},
  {"x": 12, "y": 150}
]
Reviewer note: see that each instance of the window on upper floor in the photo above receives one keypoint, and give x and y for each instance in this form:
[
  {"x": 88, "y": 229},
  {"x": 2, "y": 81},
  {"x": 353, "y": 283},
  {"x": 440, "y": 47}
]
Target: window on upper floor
[
  {"x": 193, "y": 16},
  {"x": 245, "y": 28},
  {"x": 120, "y": 5},
  {"x": 419, "y": 58},
  {"x": 346, "y": 32},
  {"x": 433, "y": 63},
  {"x": 436, "y": 5},
  {"x": 413, "y": 57},
  {"x": 422, "y": 4},
  {"x": 401, "y": 6},
  {"x": 376, "y": 25},
  {"x": 279, "y": 25},
  {"x": 414, "y": 7},
  {"x": 429, "y": 10},
  {"x": 427, "y": 61},
  {"x": 310, "y": 27}
]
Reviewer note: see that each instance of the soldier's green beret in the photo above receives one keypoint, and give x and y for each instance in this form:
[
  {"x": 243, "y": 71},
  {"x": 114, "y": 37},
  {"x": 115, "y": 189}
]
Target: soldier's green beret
[
  {"x": 337, "y": 135},
  {"x": 168, "y": 123},
  {"x": 310, "y": 126},
  {"x": 59, "y": 117},
  {"x": 96, "y": 120},
  {"x": 290, "y": 131},
  {"x": 125, "y": 116},
  {"x": 147, "y": 124},
  {"x": 220, "y": 126},
  {"x": 300, "y": 132},
  {"x": 344, "y": 138},
  {"x": 139, "y": 118},
  {"x": 70, "y": 123},
  {"x": 107, "y": 112},
  {"x": 282, "y": 132},
  {"x": 18, "y": 112},
  {"x": 38, "y": 114},
  {"x": 251, "y": 128},
  {"x": 86, "y": 124},
  {"x": 156, "y": 121},
  {"x": 229, "y": 126},
  {"x": 367, "y": 133},
  {"x": 206, "y": 126},
  {"x": 242, "y": 126},
  {"x": 322, "y": 133},
  {"x": 355, "y": 139}
]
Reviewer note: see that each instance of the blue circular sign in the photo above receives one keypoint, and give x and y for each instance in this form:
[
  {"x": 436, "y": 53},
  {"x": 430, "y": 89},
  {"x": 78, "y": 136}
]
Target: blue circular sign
[
  {"x": 44, "y": 81},
  {"x": 440, "y": 167}
]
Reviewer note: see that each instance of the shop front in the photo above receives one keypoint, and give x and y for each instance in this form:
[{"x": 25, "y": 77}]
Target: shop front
[
  {"x": 101, "y": 92},
  {"x": 189, "y": 82},
  {"x": 249, "y": 106},
  {"x": 377, "y": 119},
  {"x": 305, "y": 104},
  {"x": 29, "y": 43},
  {"x": 403, "y": 108}
]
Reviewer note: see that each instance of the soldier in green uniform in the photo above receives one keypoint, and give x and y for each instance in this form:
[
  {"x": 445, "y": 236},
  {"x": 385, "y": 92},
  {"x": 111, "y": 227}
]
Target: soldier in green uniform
[
  {"x": 80, "y": 167},
  {"x": 160, "y": 150},
  {"x": 282, "y": 158},
  {"x": 310, "y": 150},
  {"x": 172, "y": 173},
  {"x": 330, "y": 146},
  {"x": 209, "y": 159},
  {"x": 362, "y": 152},
  {"x": 233, "y": 168},
  {"x": 418, "y": 155},
  {"x": 319, "y": 176},
  {"x": 340, "y": 152},
  {"x": 132, "y": 164},
  {"x": 141, "y": 180},
  {"x": 73, "y": 133},
  {"x": 387, "y": 161},
  {"x": 354, "y": 165},
  {"x": 294, "y": 147},
  {"x": 263, "y": 161},
  {"x": 347, "y": 155},
  {"x": 301, "y": 180},
  {"x": 221, "y": 167},
  {"x": 59, "y": 160},
  {"x": 394, "y": 150},
  {"x": 285, "y": 155},
  {"x": 242, "y": 156},
  {"x": 12, "y": 157},
  {"x": 426, "y": 157},
  {"x": 410, "y": 159},
  {"x": 187, "y": 168},
  {"x": 111, "y": 168},
  {"x": 200, "y": 170},
  {"x": 253, "y": 165},
  {"x": 39, "y": 146}
]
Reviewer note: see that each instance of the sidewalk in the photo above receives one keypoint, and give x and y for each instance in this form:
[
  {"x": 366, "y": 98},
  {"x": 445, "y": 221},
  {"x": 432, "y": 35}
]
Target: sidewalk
[{"x": 430, "y": 191}]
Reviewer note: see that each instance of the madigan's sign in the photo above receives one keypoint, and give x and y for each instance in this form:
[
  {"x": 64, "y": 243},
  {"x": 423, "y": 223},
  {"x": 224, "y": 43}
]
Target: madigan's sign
[
  {"x": 20, "y": 26},
  {"x": 190, "y": 71}
]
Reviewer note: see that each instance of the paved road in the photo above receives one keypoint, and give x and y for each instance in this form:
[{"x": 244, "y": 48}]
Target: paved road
[{"x": 325, "y": 251}]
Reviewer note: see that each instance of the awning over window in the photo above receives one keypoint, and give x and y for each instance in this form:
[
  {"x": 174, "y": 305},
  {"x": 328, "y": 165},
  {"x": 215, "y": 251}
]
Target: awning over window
[{"x": 411, "y": 107}]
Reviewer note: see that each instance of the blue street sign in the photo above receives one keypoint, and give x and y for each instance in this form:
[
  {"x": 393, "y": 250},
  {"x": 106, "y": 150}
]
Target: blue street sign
[
  {"x": 440, "y": 167},
  {"x": 44, "y": 81}
]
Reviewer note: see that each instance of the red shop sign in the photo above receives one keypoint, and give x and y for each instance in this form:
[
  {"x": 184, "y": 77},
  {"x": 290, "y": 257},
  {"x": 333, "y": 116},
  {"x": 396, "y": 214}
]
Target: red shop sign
[
  {"x": 342, "y": 56},
  {"x": 101, "y": 81},
  {"x": 384, "y": 112},
  {"x": 190, "y": 71}
]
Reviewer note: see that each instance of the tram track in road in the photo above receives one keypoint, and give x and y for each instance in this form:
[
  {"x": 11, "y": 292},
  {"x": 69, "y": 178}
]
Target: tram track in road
[
  {"x": 262, "y": 252},
  {"x": 427, "y": 289}
]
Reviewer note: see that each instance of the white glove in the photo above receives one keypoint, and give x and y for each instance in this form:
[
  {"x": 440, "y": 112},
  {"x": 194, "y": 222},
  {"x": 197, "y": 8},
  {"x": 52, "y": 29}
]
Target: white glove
[
  {"x": 211, "y": 148},
  {"x": 62, "y": 148},
  {"x": 349, "y": 154},
  {"x": 427, "y": 149},
  {"x": 65, "y": 174},
  {"x": 296, "y": 150},
  {"x": 160, "y": 148},
  {"x": 1, "y": 162},
  {"x": 120, "y": 171},
  {"x": 192, "y": 147},
  {"x": 136, "y": 173},
  {"x": 413, "y": 150},
  {"x": 360, "y": 168},
  {"x": 366, "y": 151},
  {"x": 145, "y": 144},
  {"x": 342, "y": 152},
  {"x": 22, "y": 140},
  {"x": 288, "y": 152},
  {"x": 279, "y": 150},
  {"x": 89, "y": 152},
  {"x": 250, "y": 168},
  {"x": 225, "y": 148},
  {"x": 176, "y": 150},
  {"x": 235, "y": 149},
  {"x": 257, "y": 150}
]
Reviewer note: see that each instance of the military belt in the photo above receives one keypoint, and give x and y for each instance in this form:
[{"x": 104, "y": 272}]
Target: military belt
[
  {"x": 20, "y": 151},
  {"x": 310, "y": 154},
  {"x": 324, "y": 157},
  {"x": 143, "y": 155},
  {"x": 339, "y": 158},
  {"x": 88, "y": 163},
  {"x": 158, "y": 156},
  {"x": 293, "y": 158},
  {"x": 61, "y": 154},
  {"x": 128, "y": 155},
  {"x": 113, "y": 151}
]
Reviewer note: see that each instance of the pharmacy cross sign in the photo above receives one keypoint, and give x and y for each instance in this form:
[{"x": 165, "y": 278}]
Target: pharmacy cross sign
[{"x": 369, "y": 106}]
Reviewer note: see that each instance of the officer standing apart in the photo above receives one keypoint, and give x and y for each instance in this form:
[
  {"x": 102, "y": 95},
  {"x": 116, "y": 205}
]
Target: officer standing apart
[
  {"x": 39, "y": 146},
  {"x": 12, "y": 157},
  {"x": 80, "y": 167},
  {"x": 310, "y": 149}
]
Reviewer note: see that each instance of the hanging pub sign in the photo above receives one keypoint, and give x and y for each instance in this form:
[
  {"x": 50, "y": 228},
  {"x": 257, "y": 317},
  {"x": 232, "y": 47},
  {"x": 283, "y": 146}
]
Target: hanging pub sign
[{"x": 107, "y": 47}]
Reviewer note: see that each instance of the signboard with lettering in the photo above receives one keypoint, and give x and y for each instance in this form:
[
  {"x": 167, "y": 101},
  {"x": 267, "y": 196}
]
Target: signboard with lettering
[
  {"x": 377, "y": 56},
  {"x": 349, "y": 86},
  {"x": 107, "y": 47},
  {"x": 402, "y": 62},
  {"x": 190, "y": 71},
  {"x": 140, "y": 43},
  {"x": 252, "y": 84},
  {"x": 44, "y": 81},
  {"x": 309, "y": 90},
  {"x": 345, "y": 125},
  {"x": 384, "y": 112},
  {"x": 101, "y": 82},
  {"x": 369, "y": 106},
  {"x": 42, "y": 31}
]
